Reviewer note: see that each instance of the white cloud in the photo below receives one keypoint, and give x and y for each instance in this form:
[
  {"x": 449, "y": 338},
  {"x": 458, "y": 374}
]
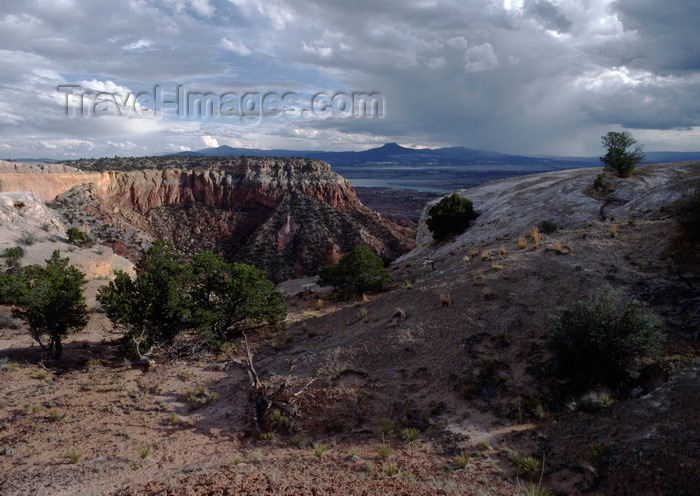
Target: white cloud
[
  {"x": 436, "y": 62},
  {"x": 480, "y": 58},
  {"x": 138, "y": 45},
  {"x": 236, "y": 47},
  {"x": 317, "y": 49},
  {"x": 275, "y": 11},
  {"x": 210, "y": 142},
  {"x": 458, "y": 42},
  {"x": 202, "y": 7}
]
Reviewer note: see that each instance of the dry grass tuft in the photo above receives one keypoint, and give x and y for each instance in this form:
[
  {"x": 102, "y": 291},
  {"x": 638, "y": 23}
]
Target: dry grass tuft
[
  {"x": 445, "y": 300},
  {"x": 502, "y": 250},
  {"x": 365, "y": 298},
  {"x": 497, "y": 267},
  {"x": 613, "y": 230},
  {"x": 409, "y": 285},
  {"x": 535, "y": 235},
  {"x": 398, "y": 314},
  {"x": 465, "y": 259},
  {"x": 485, "y": 255},
  {"x": 474, "y": 252},
  {"x": 522, "y": 243},
  {"x": 365, "y": 315},
  {"x": 558, "y": 249},
  {"x": 488, "y": 294},
  {"x": 479, "y": 278},
  {"x": 318, "y": 305}
]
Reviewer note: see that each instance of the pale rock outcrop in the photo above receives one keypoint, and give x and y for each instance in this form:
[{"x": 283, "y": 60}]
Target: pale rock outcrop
[
  {"x": 27, "y": 222},
  {"x": 510, "y": 207},
  {"x": 47, "y": 181}
]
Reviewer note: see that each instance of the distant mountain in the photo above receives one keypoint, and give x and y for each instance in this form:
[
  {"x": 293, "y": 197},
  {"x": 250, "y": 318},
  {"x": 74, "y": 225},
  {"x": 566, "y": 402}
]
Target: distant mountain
[
  {"x": 660, "y": 157},
  {"x": 392, "y": 153},
  {"x": 440, "y": 169},
  {"x": 42, "y": 160},
  {"x": 459, "y": 155}
]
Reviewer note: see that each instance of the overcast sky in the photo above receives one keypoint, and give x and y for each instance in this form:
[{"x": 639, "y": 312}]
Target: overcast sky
[{"x": 515, "y": 76}]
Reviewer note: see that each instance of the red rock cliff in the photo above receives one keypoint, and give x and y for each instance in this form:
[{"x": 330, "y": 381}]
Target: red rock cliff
[{"x": 288, "y": 216}]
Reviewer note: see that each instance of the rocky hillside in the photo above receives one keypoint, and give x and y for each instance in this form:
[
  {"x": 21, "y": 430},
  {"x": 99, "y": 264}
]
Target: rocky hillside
[
  {"x": 288, "y": 216},
  {"x": 26, "y": 222},
  {"x": 441, "y": 385}
]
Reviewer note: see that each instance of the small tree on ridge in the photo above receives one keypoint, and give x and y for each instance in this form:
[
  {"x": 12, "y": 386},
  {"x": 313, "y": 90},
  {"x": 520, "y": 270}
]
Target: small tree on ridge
[{"x": 618, "y": 158}]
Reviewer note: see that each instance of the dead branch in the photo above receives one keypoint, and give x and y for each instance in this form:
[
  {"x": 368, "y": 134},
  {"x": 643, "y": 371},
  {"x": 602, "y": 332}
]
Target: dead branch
[
  {"x": 254, "y": 380},
  {"x": 304, "y": 388},
  {"x": 145, "y": 358},
  {"x": 264, "y": 401}
]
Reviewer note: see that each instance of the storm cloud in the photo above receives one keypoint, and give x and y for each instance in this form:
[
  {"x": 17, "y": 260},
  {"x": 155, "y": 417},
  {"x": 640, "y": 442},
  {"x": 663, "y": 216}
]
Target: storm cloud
[{"x": 530, "y": 76}]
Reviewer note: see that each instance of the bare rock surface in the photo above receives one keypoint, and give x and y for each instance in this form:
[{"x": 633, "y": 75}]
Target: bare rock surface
[{"x": 509, "y": 207}]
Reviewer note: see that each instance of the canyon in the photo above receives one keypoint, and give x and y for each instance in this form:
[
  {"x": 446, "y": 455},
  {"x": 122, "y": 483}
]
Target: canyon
[{"x": 287, "y": 216}]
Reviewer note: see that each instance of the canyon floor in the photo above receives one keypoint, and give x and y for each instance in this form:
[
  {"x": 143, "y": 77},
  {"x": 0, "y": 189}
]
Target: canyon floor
[{"x": 456, "y": 350}]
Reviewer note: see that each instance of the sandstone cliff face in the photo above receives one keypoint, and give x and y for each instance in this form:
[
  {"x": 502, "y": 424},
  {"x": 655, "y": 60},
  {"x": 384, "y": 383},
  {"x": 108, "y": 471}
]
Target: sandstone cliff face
[
  {"x": 251, "y": 181},
  {"x": 46, "y": 181},
  {"x": 288, "y": 216}
]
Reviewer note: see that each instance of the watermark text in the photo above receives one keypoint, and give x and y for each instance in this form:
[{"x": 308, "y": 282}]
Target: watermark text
[{"x": 247, "y": 106}]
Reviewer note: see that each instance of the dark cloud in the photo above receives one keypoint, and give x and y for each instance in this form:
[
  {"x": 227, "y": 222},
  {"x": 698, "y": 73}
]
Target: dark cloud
[
  {"x": 665, "y": 34},
  {"x": 548, "y": 15},
  {"x": 532, "y": 76}
]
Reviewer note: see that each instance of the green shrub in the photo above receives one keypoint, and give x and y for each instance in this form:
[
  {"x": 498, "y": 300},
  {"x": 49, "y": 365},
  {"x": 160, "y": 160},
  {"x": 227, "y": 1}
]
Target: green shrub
[
  {"x": 78, "y": 237},
  {"x": 599, "y": 181},
  {"x": 321, "y": 449},
  {"x": 463, "y": 459},
  {"x": 547, "y": 226},
  {"x": 390, "y": 470},
  {"x": 172, "y": 294},
  {"x": 410, "y": 434},
  {"x": 9, "y": 283},
  {"x": 527, "y": 466},
  {"x": 49, "y": 300},
  {"x": 359, "y": 270},
  {"x": 384, "y": 450},
  {"x": 450, "y": 216},
  {"x": 199, "y": 397},
  {"x": 75, "y": 455},
  {"x": 603, "y": 340},
  {"x": 531, "y": 489},
  {"x": 13, "y": 254}
]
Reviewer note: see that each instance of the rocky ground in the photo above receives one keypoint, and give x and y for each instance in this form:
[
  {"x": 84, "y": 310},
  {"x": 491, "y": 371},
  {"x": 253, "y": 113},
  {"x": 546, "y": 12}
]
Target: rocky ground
[{"x": 456, "y": 352}]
